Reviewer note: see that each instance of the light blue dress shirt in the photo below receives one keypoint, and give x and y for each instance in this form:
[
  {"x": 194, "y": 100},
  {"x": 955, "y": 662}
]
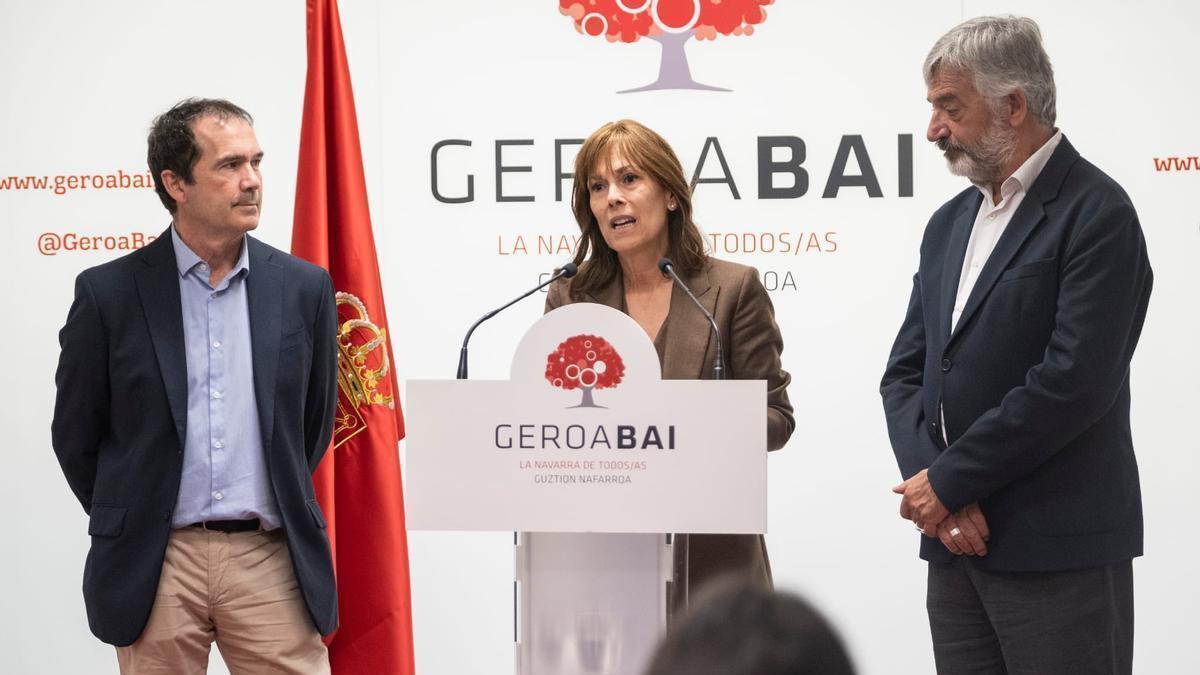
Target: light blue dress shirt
[{"x": 224, "y": 469}]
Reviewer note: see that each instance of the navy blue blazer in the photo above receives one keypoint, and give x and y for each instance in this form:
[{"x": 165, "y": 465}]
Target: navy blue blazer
[
  {"x": 1034, "y": 379},
  {"x": 121, "y": 412}
]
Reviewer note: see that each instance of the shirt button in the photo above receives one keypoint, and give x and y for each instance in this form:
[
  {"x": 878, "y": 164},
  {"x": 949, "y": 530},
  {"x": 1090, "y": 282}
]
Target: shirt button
[
  {"x": 218, "y": 444},
  {"x": 203, "y": 266},
  {"x": 216, "y": 344},
  {"x": 218, "y": 496},
  {"x": 216, "y": 394}
]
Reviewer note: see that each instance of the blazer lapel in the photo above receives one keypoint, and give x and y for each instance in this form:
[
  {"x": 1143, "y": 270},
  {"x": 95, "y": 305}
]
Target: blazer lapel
[
  {"x": 264, "y": 295},
  {"x": 612, "y": 294},
  {"x": 1031, "y": 212},
  {"x": 956, "y": 250},
  {"x": 158, "y": 290},
  {"x": 690, "y": 336}
]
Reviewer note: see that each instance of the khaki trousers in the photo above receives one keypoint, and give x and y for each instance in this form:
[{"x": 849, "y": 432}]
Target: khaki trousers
[{"x": 237, "y": 589}]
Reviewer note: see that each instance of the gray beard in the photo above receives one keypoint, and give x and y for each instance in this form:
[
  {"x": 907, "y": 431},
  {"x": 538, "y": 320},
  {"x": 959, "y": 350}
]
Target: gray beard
[{"x": 981, "y": 162}]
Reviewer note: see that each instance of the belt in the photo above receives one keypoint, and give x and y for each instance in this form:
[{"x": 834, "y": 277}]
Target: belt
[{"x": 229, "y": 526}]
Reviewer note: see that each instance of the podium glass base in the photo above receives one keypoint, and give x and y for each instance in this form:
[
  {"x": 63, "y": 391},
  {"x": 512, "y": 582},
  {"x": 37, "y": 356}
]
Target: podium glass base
[{"x": 593, "y": 604}]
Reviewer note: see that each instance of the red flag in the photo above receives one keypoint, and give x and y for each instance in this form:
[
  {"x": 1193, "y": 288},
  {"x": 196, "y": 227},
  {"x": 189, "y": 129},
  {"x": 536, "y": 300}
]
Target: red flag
[{"x": 358, "y": 482}]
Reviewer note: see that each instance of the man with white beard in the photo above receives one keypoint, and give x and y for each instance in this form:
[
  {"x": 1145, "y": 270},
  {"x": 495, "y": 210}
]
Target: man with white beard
[{"x": 1007, "y": 389}]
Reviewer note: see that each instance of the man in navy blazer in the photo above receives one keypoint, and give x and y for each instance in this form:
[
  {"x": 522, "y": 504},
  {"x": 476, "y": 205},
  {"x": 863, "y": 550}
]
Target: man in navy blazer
[
  {"x": 196, "y": 392},
  {"x": 1007, "y": 389}
]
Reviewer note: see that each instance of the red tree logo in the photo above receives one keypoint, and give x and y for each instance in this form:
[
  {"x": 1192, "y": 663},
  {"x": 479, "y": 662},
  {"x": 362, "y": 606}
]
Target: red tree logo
[
  {"x": 671, "y": 23},
  {"x": 585, "y": 362}
]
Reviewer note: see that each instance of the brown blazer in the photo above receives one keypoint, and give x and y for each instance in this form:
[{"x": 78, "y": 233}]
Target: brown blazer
[{"x": 752, "y": 343}]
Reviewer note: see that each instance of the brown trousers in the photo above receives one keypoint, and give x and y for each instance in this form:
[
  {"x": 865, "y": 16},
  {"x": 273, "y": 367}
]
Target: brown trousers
[{"x": 237, "y": 589}]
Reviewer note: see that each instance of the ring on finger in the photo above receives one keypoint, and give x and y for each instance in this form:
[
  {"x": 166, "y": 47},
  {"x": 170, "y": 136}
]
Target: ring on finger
[{"x": 955, "y": 532}]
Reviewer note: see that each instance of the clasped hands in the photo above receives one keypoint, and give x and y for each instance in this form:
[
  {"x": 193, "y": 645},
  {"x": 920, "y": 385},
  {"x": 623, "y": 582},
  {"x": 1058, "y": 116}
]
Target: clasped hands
[{"x": 962, "y": 533}]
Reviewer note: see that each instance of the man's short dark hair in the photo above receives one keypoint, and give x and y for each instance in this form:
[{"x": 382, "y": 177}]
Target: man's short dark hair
[
  {"x": 741, "y": 628},
  {"x": 172, "y": 143}
]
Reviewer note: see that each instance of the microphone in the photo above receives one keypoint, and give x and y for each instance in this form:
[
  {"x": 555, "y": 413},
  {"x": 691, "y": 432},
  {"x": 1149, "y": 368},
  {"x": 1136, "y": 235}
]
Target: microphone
[
  {"x": 565, "y": 272},
  {"x": 667, "y": 267}
]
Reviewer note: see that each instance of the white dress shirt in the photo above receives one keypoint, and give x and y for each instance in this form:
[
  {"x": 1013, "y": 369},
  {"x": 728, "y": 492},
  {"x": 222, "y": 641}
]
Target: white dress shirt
[{"x": 992, "y": 219}]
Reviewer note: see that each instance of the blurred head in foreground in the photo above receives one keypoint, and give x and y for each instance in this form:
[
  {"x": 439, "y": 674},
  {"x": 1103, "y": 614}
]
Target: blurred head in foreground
[{"x": 739, "y": 628}]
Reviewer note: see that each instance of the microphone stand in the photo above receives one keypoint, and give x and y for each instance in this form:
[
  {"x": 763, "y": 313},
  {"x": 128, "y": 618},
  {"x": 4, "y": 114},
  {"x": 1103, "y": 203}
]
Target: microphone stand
[
  {"x": 667, "y": 267},
  {"x": 565, "y": 272}
]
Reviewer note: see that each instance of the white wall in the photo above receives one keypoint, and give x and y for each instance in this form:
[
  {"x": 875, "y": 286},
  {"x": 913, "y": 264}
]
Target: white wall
[{"x": 81, "y": 82}]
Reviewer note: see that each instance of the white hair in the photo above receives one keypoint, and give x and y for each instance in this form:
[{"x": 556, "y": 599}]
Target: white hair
[{"x": 1003, "y": 54}]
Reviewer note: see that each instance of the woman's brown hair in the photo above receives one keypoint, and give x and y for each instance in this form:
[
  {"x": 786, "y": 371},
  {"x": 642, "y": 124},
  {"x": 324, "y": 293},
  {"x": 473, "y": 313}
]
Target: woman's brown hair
[{"x": 650, "y": 153}]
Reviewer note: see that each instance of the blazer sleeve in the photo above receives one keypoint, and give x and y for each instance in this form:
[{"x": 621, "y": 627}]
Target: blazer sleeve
[
  {"x": 321, "y": 402},
  {"x": 755, "y": 349},
  {"x": 81, "y": 405},
  {"x": 1103, "y": 294},
  {"x": 903, "y": 407}
]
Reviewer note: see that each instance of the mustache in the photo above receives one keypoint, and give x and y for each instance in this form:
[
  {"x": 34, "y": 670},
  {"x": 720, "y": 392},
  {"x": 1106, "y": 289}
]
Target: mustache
[
  {"x": 945, "y": 144},
  {"x": 249, "y": 200}
]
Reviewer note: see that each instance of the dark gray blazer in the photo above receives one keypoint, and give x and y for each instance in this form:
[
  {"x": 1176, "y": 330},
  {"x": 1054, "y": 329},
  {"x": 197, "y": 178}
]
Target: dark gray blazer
[
  {"x": 121, "y": 412},
  {"x": 1034, "y": 379}
]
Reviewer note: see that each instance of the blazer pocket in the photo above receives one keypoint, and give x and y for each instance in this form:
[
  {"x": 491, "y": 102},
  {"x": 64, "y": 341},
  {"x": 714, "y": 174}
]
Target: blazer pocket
[
  {"x": 293, "y": 338},
  {"x": 106, "y": 521},
  {"x": 1033, "y": 269},
  {"x": 315, "y": 509}
]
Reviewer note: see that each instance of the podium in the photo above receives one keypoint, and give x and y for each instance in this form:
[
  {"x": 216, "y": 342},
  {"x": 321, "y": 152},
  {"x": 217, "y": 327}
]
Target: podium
[{"x": 593, "y": 460}]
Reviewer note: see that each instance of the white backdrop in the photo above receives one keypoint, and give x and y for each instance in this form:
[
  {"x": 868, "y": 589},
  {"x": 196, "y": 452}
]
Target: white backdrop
[{"x": 81, "y": 82}]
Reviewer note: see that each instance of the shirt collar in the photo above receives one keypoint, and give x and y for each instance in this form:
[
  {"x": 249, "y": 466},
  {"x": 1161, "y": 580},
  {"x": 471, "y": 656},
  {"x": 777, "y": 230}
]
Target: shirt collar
[
  {"x": 186, "y": 259},
  {"x": 1022, "y": 179}
]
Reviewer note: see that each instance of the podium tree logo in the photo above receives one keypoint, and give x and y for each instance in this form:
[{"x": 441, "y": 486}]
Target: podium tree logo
[
  {"x": 585, "y": 362},
  {"x": 671, "y": 23}
]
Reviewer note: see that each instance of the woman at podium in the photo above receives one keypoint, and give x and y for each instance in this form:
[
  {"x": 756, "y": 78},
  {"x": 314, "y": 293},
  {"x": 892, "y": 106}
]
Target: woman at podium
[{"x": 634, "y": 207}]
